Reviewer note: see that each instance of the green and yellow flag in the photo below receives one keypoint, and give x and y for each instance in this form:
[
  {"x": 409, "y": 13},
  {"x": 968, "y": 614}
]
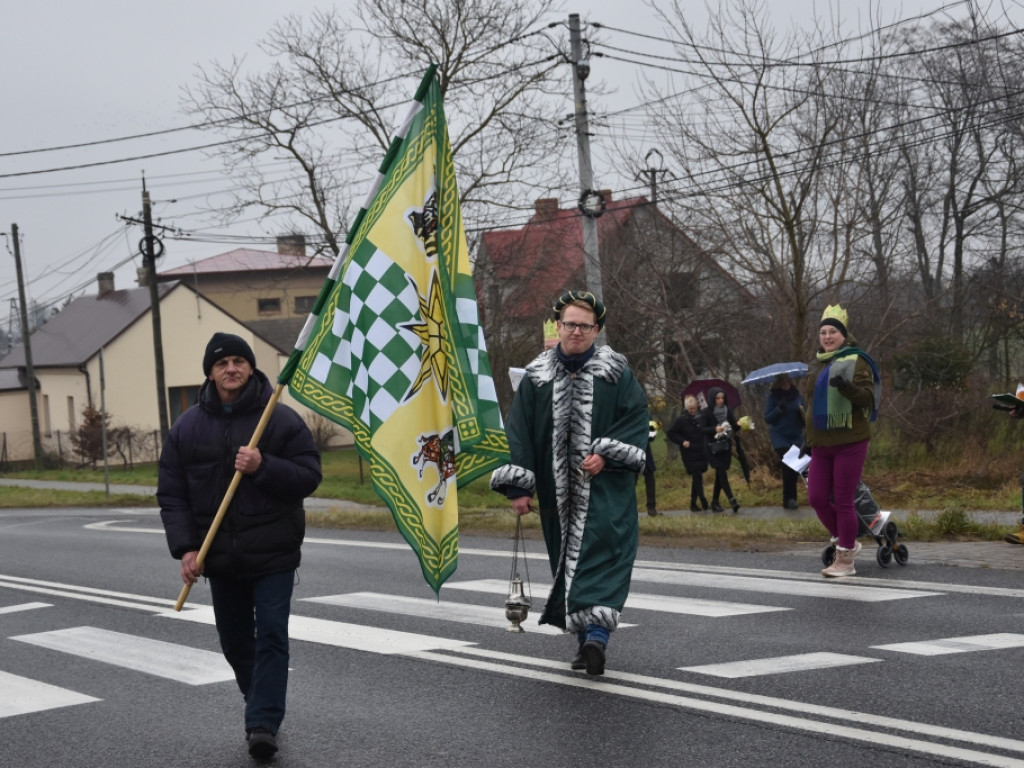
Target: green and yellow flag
[{"x": 393, "y": 349}]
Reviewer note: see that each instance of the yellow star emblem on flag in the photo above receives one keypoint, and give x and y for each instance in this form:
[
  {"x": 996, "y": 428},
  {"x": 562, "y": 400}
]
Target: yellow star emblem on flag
[{"x": 434, "y": 363}]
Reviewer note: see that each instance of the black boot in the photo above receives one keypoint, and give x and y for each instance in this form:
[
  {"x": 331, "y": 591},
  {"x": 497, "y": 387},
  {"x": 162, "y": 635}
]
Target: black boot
[
  {"x": 704, "y": 503},
  {"x": 715, "y": 506},
  {"x": 693, "y": 506},
  {"x": 734, "y": 504}
]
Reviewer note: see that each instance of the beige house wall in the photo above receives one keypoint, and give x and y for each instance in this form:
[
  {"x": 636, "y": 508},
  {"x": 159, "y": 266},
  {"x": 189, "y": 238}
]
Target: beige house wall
[
  {"x": 241, "y": 297},
  {"x": 16, "y": 421}
]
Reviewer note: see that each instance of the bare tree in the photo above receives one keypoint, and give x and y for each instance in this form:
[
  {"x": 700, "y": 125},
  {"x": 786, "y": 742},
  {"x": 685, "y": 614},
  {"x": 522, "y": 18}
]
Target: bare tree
[
  {"x": 327, "y": 105},
  {"x": 961, "y": 162},
  {"x": 763, "y": 163}
]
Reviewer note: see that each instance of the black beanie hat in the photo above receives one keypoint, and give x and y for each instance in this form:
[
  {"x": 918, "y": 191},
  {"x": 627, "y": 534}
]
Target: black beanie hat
[{"x": 226, "y": 345}]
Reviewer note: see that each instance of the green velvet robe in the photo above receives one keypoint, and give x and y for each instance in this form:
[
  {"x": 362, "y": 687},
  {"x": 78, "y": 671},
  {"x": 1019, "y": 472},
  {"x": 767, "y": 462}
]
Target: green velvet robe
[{"x": 589, "y": 523}]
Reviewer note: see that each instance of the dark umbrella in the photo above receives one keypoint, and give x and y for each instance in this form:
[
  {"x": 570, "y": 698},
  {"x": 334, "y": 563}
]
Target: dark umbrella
[
  {"x": 769, "y": 372},
  {"x": 699, "y": 388}
]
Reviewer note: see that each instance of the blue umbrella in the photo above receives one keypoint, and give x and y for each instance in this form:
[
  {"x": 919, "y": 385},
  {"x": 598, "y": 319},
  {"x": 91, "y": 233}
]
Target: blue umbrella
[{"x": 769, "y": 372}]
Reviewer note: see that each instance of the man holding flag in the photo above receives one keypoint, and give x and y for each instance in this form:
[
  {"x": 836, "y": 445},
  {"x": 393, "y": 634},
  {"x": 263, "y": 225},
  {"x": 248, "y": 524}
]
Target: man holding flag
[
  {"x": 577, "y": 433},
  {"x": 251, "y": 562},
  {"x": 392, "y": 350}
]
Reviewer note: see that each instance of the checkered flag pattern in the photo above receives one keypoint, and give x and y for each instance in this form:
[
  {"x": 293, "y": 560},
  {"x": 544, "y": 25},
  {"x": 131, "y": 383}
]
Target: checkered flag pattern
[{"x": 367, "y": 356}]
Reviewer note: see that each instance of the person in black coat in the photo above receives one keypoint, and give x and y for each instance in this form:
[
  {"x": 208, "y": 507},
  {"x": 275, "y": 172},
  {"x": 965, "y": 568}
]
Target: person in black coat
[
  {"x": 784, "y": 415},
  {"x": 650, "y": 485},
  {"x": 690, "y": 433},
  {"x": 724, "y": 430},
  {"x": 252, "y": 559}
]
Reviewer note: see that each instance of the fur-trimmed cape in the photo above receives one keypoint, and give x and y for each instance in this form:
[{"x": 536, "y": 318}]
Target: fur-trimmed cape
[{"x": 589, "y": 523}]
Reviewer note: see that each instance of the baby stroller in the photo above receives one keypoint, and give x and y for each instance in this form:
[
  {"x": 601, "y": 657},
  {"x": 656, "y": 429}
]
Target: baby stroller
[{"x": 876, "y": 523}]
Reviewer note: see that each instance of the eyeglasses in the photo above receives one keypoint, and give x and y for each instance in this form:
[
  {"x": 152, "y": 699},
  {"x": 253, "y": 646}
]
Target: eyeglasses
[{"x": 583, "y": 328}]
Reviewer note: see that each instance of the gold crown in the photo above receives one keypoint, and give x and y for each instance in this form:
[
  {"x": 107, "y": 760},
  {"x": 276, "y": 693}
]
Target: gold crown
[{"x": 836, "y": 312}]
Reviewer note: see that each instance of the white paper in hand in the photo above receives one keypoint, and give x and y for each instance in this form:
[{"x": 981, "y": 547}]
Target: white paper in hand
[
  {"x": 516, "y": 374},
  {"x": 794, "y": 460}
]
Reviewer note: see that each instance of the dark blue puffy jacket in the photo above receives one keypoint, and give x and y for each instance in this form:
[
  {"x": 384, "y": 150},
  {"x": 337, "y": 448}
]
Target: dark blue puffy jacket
[{"x": 263, "y": 529}]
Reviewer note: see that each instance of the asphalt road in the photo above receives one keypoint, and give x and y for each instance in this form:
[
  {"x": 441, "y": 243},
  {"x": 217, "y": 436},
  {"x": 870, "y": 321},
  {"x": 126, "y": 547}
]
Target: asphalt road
[{"x": 729, "y": 659}]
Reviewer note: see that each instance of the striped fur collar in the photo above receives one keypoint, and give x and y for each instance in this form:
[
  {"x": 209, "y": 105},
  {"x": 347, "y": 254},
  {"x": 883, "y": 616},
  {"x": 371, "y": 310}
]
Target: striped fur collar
[{"x": 606, "y": 364}]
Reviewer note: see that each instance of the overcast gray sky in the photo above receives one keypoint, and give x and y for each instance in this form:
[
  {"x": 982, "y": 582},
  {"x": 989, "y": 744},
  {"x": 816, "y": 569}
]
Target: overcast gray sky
[{"x": 77, "y": 72}]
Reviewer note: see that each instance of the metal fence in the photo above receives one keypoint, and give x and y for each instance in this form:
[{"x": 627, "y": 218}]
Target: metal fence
[{"x": 125, "y": 447}]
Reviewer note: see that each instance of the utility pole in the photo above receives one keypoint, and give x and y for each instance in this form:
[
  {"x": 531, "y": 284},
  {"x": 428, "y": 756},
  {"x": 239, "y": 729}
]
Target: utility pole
[
  {"x": 37, "y": 440},
  {"x": 149, "y": 257},
  {"x": 14, "y": 318},
  {"x": 591, "y": 203}
]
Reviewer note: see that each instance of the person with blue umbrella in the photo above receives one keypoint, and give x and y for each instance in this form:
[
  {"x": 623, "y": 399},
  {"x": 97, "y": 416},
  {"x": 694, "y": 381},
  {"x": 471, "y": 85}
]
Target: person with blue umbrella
[{"x": 784, "y": 415}]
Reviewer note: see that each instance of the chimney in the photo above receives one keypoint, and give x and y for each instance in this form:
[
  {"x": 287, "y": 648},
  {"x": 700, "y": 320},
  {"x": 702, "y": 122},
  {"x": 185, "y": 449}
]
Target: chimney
[
  {"x": 546, "y": 207},
  {"x": 105, "y": 283},
  {"x": 607, "y": 195},
  {"x": 293, "y": 245}
]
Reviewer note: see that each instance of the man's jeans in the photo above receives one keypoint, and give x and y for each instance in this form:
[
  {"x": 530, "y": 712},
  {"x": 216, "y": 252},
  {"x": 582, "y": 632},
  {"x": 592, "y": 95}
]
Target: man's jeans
[{"x": 252, "y": 622}]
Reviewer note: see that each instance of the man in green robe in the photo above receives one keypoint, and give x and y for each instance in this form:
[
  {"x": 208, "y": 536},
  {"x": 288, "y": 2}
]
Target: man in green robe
[{"x": 577, "y": 434}]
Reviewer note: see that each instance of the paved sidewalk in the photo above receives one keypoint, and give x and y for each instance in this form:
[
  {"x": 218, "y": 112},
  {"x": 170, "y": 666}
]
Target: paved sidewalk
[
  {"x": 149, "y": 490},
  {"x": 964, "y": 554}
]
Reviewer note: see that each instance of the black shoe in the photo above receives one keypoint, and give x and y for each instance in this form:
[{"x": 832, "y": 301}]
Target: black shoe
[
  {"x": 694, "y": 507},
  {"x": 716, "y": 507},
  {"x": 704, "y": 503},
  {"x": 734, "y": 504},
  {"x": 791, "y": 504},
  {"x": 578, "y": 662},
  {"x": 262, "y": 743},
  {"x": 592, "y": 652},
  {"x": 652, "y": 512}
]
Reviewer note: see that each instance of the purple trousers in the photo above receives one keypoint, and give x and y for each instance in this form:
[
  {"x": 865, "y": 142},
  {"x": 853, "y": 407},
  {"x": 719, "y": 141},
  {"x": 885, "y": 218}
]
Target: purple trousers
[{"x": 832, "y": 478}]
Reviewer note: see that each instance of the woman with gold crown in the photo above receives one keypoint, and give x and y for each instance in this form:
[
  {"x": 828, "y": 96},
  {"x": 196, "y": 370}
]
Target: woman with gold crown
[{"x": 843, "y": 393}]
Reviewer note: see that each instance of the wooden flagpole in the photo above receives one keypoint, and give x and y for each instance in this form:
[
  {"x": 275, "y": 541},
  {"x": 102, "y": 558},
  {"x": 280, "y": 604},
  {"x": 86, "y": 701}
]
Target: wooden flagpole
[{"x": 222, "y": 510}]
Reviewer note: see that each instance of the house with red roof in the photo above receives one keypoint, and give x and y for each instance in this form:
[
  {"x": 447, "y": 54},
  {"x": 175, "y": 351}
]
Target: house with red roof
[{"x": 665, "y": 294}]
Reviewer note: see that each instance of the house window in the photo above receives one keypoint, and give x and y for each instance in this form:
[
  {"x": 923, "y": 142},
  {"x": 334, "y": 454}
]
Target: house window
[
  {"x": 304, "y": 304},
  {"x": 181, "y": 399},
  {"x": 268, "y": 306},
  {"x": 683, "y": 290},
  {"x": 71, "y": 414},
  {"x": 47, "y": 428}
]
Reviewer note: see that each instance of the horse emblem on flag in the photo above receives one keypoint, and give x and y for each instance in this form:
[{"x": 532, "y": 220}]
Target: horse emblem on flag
[{"x": 438, "y": 450}]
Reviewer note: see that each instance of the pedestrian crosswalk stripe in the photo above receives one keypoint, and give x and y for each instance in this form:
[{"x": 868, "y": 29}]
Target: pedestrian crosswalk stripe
[
  {"x": 647, "y": 602},
  {"x": 826, "y": 589},
  {"x": 77, "y": 592},
  {"x": 779, "y": 664},
  {"x": 22, "y": 695},
  {"x": 341, "y": 635},
  {"x": 480, "y": 615},
  {"x": 996, "y": 642},
  {"x": 861, "y": 726},
  {"x": 155, "y": 657},
  {"x": 24, "y": 607},
  {"x": 663, "y": 603}
]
